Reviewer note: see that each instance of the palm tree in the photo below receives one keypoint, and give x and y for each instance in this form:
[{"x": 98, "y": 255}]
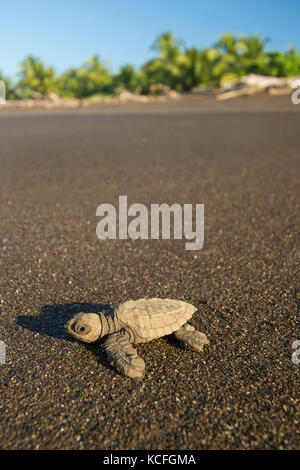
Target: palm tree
[
  {"x": 254, "y": 46},
  {"x": 35, "y": 77},
  {"x": 166, "y": 68},
  {"x": 254, "y": 58},
  {"x": 98, "y": 76},
  {"x": 91, "y": 78},
  {"x": 227, "y": 43},
  {"x": 192, "y": 68},
  {"x": 199, "y": 66},
  {"x": 125, "y": 77},
  {"x": 168, "y": 46},
  {"x": 284, "y": 65},
  {"x": 227, "y": 66},
  {"x": 240, "y": 55},
  {"x": 131, "y": 79}
]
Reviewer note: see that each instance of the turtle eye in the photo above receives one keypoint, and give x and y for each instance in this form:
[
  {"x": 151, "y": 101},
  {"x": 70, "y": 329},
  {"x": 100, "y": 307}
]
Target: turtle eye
[{"x": 82, "y": 329}]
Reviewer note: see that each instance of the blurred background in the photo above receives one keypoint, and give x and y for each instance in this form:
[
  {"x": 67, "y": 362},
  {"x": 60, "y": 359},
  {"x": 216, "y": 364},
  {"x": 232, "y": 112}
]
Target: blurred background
[{"x": 96, "y": 49}]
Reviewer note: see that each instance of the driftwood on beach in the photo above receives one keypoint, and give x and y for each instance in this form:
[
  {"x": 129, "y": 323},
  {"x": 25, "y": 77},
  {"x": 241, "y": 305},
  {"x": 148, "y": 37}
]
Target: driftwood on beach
[
  {"x": 252, "y": 84},
  {"x": 236, "y": 93},
  {"x": 158, "y": 93}
]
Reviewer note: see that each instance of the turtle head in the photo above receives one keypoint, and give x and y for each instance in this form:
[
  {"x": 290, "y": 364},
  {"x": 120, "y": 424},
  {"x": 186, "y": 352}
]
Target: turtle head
[{"x": 85, "y": 326}]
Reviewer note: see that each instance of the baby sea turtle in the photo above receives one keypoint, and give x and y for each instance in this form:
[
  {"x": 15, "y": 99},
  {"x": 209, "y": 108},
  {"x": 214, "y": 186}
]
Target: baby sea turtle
[{"x": 133, "y": 322}]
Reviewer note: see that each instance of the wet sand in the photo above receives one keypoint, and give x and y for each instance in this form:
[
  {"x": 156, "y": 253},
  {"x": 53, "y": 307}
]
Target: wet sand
[{"x": 240, "y": 159}]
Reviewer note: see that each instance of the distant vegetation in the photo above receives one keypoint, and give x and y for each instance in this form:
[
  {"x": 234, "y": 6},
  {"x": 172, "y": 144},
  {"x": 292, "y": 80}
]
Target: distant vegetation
[{"x": 175, "y": 65}]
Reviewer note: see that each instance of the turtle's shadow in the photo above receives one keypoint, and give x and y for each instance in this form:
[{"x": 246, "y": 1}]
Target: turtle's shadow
[
  {"x": 53, "y": 318},
  {"x": 52, "y": 322}
]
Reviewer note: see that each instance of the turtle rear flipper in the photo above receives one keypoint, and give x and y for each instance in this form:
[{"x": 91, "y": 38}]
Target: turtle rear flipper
[
  {"x": 119, "y": 350},
  {"x": 189, "y": 338}
]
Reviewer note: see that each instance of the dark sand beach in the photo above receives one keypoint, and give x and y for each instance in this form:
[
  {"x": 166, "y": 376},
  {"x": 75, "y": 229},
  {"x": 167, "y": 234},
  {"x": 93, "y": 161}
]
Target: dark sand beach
[{"x": 241, "y": 159}]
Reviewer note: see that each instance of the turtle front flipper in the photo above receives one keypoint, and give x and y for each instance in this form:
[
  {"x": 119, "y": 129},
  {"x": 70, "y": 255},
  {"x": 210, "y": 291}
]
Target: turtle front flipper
[
  {"x": 189, "y": 338},
  {"x": 119, "y": 350}
]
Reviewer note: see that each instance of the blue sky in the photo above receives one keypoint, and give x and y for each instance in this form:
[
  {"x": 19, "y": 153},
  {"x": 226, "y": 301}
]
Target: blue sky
[{"x": 67, "y": 32}]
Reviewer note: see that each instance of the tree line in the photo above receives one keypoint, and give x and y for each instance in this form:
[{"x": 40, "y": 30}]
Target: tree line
[{"x": 174, "y": 64}]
